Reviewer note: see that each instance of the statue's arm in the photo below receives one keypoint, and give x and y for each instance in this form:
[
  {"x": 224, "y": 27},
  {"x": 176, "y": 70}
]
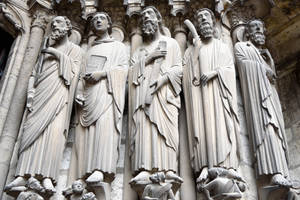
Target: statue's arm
[{"x": 171, "y": 195}]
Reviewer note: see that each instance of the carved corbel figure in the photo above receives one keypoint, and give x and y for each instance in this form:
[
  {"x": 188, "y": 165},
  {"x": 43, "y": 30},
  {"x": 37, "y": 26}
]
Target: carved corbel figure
[
  {"x": 222, "y": 184},
  {"x": 158, "y": 189},
  {"x": 10, "y": 17}
]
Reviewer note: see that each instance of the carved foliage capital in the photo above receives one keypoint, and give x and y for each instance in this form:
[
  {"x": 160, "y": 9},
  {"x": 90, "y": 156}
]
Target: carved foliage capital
[
  {"x": 40, "y": 19},
  {"x": 240, "y": 13},
  {"x": 178, "y": 6}
]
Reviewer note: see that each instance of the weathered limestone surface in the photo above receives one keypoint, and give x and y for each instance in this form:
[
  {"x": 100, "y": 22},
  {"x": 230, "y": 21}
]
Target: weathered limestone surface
[{"x": 282, "y": 20}]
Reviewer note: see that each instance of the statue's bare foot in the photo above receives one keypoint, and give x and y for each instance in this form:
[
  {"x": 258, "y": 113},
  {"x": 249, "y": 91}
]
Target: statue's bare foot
[
  {"x": 48, "y": 185},
  {"x": 173, "y": 176},
  {"x": 278, "y": 179},
  {"x": 19, "y": 181},
  {"x": 95, "y": 177},
  {"x": 142, "y": 176},
  {"x": 203, "y": 175}
]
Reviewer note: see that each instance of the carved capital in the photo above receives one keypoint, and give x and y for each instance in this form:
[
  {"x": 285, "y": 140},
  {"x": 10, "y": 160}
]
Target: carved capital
[
  {"x": 133, "y": 26},
  {"x": 240, "y": 13},
  {"x": 178, "y": 6},
  {"x": 40, "y": 19},
  {"x": 133, "y": 6}
]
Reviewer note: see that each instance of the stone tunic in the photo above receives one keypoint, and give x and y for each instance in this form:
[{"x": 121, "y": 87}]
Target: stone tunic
[
  {"x": 211, "y": 117},
  {"x": 45, "y": 128},
  {"x": 154, "y": 132},
  {"x": 98, "y": 133},
  {"x": 263, "y": 111}
]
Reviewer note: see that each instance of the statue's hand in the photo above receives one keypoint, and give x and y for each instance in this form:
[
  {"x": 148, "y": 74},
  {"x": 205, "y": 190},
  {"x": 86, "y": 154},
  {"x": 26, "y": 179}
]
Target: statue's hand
[
  {"x": 157, "y": 53},
  {"x": 95, "y": 76},
  {"x": 52, "y": 51},
  {"x": 207, "y": 76},
  {"x": 80, "y": 100},
  {"x": 29, "y": 102},
  {"x": 270, "y": 74},
  {"x": 203, "y": 175},
  {"x": 159, "y": 83}
]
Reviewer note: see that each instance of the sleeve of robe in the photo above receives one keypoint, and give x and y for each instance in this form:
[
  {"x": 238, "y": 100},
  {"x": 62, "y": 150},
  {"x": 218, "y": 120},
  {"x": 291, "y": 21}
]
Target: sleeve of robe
[
  {"x": 226, "y": 77},
  {"x": 116, "y": 80},
  {"x": 174, "y": 74},
  {"x": 69, "y": 70}
]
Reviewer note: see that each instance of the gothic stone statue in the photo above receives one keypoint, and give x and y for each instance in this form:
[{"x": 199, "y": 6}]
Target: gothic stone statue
[
  {"x": 102, "y": 104},
  {"x": 49, "y": 103},
  {"x": 158, "y": 189},
  {"x": 210, "y": 94},
  {"x": 154, "y": 100},
  {"x": 223, "y": 184},
  {"x": 262, "y": 107}
]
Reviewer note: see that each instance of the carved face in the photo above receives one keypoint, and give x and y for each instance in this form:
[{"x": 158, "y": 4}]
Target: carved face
[
  {"x": 149, "y": 22},
  {"x": 59, "y": 28},
  {"x": 100, "y": 23},
  {"x": 256, "y": 32},
  {"x": 205, "y": 24},
  {"x": 77, "y": 187}
]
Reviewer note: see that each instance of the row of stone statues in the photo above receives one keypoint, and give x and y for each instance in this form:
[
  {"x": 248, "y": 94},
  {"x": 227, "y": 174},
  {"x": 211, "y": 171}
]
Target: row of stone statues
[{"x": 96, "y": 82}]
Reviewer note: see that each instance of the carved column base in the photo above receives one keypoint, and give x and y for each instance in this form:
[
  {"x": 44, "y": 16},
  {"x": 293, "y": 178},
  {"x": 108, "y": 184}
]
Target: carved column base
[{"x": 274, "y": 192}]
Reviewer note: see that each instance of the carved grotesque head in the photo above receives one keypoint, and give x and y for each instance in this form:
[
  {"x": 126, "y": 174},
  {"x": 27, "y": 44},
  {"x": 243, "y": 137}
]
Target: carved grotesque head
[
  {"x": 151, "y": 21},
  {"x": 101, "y": 23},
  {"x": 255, "y": 32},
  {"x": 205, "y": 23},
  {"x": 77, "y": 187},
  {"x": 60, "y": 27}
]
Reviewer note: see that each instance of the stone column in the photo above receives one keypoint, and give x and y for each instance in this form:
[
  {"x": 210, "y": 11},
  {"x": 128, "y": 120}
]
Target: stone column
[
  {"x": 136, "y": 38},
  {"x": 180, "y": 37},
  {"x": 15, "y": 114},
  {"x": 187, "y": 189}
]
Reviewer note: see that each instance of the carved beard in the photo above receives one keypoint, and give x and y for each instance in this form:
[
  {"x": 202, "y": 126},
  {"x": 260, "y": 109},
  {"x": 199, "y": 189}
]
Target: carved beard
[
  {"x": 257, "y": 38},
  {"x": 58, "y": 33},
  {"x": 206, "y": 30},
  {"x": 149, "y": 28}
]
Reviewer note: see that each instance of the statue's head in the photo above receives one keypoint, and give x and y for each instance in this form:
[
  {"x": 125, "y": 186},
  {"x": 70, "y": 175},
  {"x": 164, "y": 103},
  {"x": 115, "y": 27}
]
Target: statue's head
[
  {"x": 101, "y": 23},
  {"x": 60, "y": 27},
  {"x": 215, "y": 172},
  {"x": 255, "y": 32},
  {"x": 158, "y": 177},
  {"x": 206, "y": 20},
  {"x": 151, "y": 21},
  {"x": 77, "y": 187}
]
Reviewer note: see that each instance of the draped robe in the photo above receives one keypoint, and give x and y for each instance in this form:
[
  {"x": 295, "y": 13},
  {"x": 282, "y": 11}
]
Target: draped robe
[
  {"x": 263, "y": 111},
  {"x": 45, "y": 128},
  {"x": 154, "y": 131},
  {"x": 211, "y": 117},
  {"x": 100, "y": 126}
]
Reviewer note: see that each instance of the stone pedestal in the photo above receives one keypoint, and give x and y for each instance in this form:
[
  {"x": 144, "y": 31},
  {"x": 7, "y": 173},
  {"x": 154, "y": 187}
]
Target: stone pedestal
[
  {"x": 102, "y": 190},
  {"x": 273, "y": 193}
]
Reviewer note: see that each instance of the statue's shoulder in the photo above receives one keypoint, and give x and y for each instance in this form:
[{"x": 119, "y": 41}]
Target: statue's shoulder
[
  {"x": 170, "y": 40},
  {"x": 242, "y": 44}
]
